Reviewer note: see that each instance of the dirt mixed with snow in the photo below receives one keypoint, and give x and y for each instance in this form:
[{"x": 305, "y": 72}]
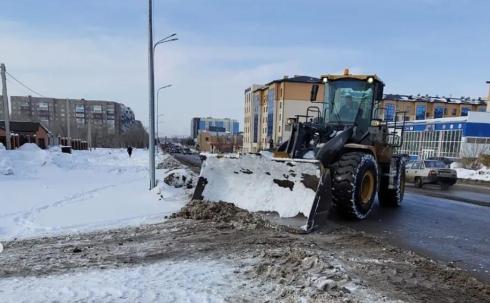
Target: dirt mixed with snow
[{"x": 268, "y": 264}]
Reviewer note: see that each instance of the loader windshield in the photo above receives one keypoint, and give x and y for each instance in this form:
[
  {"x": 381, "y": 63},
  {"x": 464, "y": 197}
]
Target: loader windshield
[{"x": 349, "y": 102}]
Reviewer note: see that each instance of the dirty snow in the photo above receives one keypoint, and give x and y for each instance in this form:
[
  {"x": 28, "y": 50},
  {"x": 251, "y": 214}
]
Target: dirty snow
[
  {"x": 482, "y": 174},
  {"x": 168, "y": 281},
  {"x": 248, "y": 182},
  {"x": 46, "y": 192}
]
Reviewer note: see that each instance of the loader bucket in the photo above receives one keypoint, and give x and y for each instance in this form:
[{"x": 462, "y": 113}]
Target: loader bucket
[{"x": 294, "y": 189}]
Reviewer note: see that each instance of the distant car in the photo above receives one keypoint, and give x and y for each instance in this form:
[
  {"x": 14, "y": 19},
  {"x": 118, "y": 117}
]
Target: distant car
[
  {"x": 446, "y": 161},
  {"x": 423, "y": 172}
]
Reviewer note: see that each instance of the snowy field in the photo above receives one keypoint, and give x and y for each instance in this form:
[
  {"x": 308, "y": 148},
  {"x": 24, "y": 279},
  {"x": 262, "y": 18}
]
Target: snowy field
[{"x": 46, "y": 192}]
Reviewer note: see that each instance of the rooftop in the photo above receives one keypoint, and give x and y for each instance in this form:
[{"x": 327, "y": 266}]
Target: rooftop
[
  {"x": 26, "y": 127},
  {"x": 427, "y": 98}
]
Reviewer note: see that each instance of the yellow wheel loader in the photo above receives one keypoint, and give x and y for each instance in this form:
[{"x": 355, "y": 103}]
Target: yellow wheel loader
[{"x": 340, "y": 157}]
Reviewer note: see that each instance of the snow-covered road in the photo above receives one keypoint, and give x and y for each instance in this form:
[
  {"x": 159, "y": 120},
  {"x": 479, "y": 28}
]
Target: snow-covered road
[{"x": 49, "y": 192}]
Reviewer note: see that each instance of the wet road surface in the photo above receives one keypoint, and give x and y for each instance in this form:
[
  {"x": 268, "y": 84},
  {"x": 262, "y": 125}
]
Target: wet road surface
[{"x": 442, "y": 229}]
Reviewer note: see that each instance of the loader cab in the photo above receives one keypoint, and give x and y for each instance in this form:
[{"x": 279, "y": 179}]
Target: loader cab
[{"x": 351, "y": 100}]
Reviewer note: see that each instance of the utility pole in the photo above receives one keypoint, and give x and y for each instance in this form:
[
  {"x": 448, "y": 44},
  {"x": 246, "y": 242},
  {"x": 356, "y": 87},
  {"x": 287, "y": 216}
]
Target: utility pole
[
  {"x": 89, "y": 131},
  {"x": 151, "y": 93},
  {"x": 68, "y": 123},
  {"x": 6, "y": 113},
  {"x": 488, "y": 98}
]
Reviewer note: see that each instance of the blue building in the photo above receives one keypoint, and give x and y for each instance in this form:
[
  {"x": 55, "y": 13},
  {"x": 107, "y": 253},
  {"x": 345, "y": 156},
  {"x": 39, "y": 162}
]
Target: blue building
[
  {"x": 455, "y": 137},
  {"x": 224, "y": 125}
]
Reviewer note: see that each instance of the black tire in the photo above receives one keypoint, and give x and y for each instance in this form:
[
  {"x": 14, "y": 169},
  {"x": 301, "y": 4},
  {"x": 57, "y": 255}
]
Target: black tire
[
  {"x": 348, "y": 183},
  {"x": 392, "y": 197},
  {"x": 418, "y": 182}
]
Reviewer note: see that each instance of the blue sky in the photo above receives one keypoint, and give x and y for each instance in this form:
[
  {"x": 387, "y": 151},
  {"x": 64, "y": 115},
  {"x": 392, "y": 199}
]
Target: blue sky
[{"x": 97, "y": 48}]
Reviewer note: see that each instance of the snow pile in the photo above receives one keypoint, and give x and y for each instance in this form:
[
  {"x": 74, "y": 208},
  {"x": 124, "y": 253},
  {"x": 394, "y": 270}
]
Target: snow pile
[
  {"x": 482, "y": 174},
  {"x": 208, "y": 281},
  {"x": 1, "y": 247},
  {"x": 257, "y": 184},
  {"x": 179, "y": 178},
  {"x": 29, "y": 147},
  {"x": 46, "y": 192},
  {"x": 2, "y": 147}
]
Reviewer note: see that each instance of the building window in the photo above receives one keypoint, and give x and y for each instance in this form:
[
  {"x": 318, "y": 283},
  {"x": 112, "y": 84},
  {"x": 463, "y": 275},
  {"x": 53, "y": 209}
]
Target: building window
[
  {"x": 79, "y": 109},
  {"x": 420, "y": 112},
  {"x": 43, "y": 106},
  {"x": 389, "y": 112},
  {"x": 439, "y": 112},
  {"x": 97, "y": 109},
  {"x": 454, "y": 112},
  {"x": 464, "y": 111}
]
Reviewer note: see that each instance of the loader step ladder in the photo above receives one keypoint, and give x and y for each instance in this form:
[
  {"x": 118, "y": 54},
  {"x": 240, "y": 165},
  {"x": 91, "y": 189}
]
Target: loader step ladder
[{"x": 396, "y": 130}]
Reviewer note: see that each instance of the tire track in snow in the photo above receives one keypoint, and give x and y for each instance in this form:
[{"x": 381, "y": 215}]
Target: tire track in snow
[{"x": 25, "y": 218}]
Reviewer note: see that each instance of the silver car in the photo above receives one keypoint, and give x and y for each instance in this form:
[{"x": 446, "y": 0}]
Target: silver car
[{"x": 423, "y": 172}]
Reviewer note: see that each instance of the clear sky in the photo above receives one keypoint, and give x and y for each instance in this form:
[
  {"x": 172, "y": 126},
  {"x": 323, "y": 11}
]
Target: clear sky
[{"x": 97, "y": 49}]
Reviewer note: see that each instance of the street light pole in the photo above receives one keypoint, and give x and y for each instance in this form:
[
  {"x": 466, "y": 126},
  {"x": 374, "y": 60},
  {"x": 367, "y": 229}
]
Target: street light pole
[
  {"x": 158, "y": 95},
  {"x": 151, "y": 92},
  {"x": 5, "y": 101}
]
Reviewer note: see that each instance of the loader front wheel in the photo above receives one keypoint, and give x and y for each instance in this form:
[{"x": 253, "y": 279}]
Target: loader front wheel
[{"x": 354, "y": 184}]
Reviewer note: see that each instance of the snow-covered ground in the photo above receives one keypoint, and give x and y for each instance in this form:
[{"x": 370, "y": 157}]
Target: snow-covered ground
[
  {"x": 46, "y": 192},
  {"x": 482, "y": 174},
  {"x": 205, "y": 281}
]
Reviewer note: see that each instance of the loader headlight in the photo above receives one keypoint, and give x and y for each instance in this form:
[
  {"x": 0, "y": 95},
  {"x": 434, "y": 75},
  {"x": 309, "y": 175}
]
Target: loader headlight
[
  {"x": 291, "y": 121},
  {"x": 325, "y": 80},
  {"x": 370, "y": 80},
  {"x": 375, "y": 123}
]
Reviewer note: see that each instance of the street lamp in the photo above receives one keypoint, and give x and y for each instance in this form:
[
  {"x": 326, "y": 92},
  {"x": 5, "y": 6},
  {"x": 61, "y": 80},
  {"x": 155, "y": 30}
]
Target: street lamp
[
  {"x": 158, "y": 115},
  {"x": 151, "y": 90},
  {"x": 166, "y": 39}
]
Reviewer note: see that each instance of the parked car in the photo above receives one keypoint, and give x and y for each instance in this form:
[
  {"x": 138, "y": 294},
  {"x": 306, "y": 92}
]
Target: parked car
[
  {"x": 446, "y": 161},
  {"x": 423, "y": 172}
]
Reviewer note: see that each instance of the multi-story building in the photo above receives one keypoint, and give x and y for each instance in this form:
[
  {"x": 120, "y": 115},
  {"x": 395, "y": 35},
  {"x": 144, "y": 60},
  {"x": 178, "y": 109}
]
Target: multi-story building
[
  {"x": 268, "y": 108},
  {"x": 218, "y": 142},
  {"x": 251, "y": 120},
  {"x": 215, "y": 125},
  {"x": 72, "y": 117},
  {"x": 429, "y": 107}
]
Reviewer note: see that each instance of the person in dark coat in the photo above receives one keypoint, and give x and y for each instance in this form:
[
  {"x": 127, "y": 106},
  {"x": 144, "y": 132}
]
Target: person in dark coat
[{"x": 130, "y": 150}]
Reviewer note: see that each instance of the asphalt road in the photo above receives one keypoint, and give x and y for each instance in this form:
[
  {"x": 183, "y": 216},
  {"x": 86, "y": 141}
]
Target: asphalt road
[{"x": 441, "y": 228}]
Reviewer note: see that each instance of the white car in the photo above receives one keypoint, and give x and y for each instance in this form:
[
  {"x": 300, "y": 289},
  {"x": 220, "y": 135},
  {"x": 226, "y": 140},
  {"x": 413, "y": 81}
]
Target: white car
[{"x": 423, "y": 172}]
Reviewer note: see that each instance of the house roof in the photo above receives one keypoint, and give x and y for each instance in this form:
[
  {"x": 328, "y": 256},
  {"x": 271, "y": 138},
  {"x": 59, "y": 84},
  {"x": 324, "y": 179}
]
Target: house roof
[
  {"x": 24, "y": 127},
  {"x": 297, "y": 79}
]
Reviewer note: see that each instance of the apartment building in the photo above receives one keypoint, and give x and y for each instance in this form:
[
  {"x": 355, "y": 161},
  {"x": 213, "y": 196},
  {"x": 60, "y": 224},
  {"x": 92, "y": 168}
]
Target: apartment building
[
  {"x": 72, "y": 117},
  {"x": 224, "y": 125},
  {"x": 268, "y": 108},
  {"x": 429, "y": 107},
  {"x": 218, "y": 142}
]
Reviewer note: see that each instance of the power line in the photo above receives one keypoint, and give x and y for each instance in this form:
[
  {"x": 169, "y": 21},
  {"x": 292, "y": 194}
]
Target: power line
[{"x": 27, "y": 87}]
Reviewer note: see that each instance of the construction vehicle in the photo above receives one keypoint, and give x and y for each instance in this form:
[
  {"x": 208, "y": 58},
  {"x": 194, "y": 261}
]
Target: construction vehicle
[{"x": 354, "y": 159}]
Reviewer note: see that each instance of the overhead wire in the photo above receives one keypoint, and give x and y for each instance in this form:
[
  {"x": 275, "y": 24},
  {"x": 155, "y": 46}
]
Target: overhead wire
[{"x": 24, "y": 85}]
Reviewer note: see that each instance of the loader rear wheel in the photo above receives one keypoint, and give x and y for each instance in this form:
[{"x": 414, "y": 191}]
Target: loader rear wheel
[
  {"x": 392, "y": 197},
  {"x": 354, "y": 184}
]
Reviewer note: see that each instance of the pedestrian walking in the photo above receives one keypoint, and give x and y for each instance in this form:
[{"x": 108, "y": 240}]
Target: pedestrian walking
[{"x": 130, "y": 150}]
